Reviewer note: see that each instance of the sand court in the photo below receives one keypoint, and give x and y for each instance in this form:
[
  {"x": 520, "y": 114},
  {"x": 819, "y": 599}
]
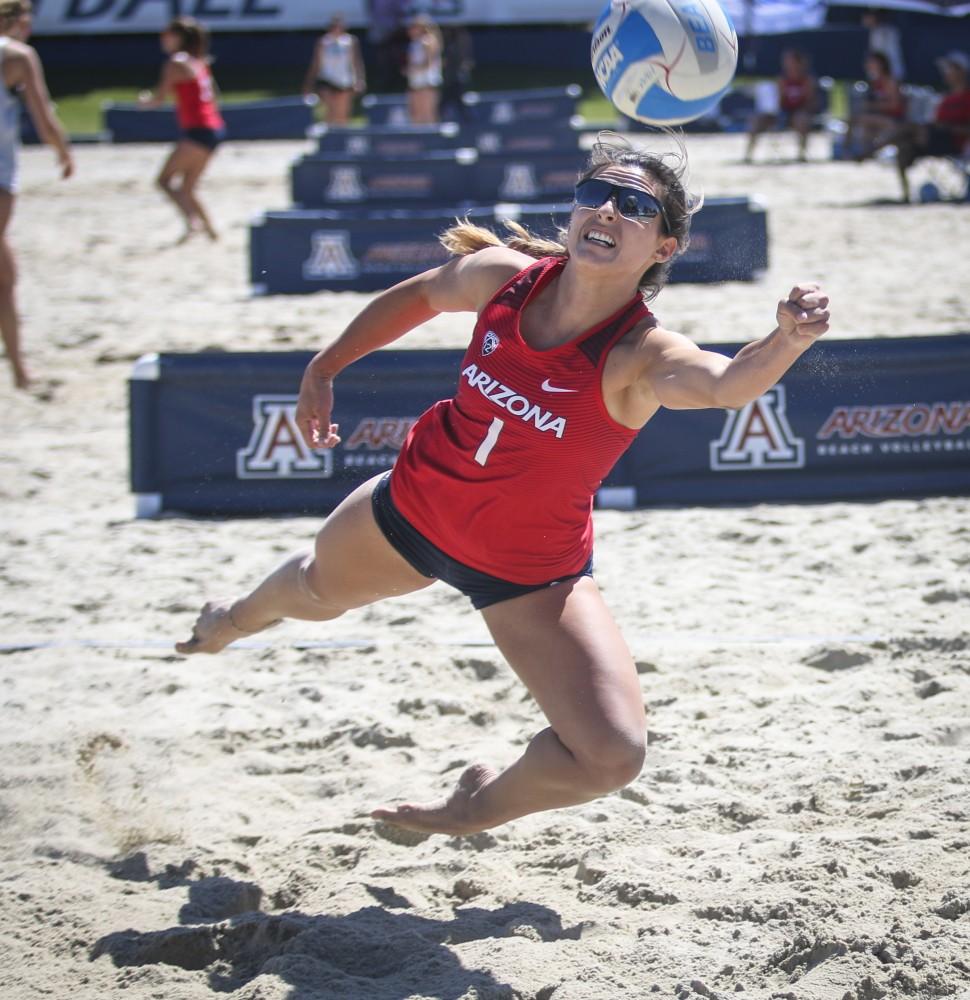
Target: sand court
[{"x": 184, "y": 828}]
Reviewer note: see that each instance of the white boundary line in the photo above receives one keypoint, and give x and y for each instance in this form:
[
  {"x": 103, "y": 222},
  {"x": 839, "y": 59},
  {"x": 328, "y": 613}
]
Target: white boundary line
[{"x": 658, "y": 638}]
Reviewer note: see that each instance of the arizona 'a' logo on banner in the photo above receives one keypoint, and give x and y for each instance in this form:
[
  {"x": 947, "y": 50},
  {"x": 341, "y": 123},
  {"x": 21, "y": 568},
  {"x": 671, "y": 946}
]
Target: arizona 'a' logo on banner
[
  {"x": 758, "y": 436},
  {"x": 276, "y": 449},
  {"x": 345, "y": 185},
  {"x": 331, "y": 256},
  {"x": 519, "y": 182}
]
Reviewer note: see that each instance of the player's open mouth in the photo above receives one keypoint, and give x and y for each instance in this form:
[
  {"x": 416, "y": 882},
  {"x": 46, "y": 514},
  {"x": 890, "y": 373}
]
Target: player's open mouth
[{"x": 604, "y": 239}]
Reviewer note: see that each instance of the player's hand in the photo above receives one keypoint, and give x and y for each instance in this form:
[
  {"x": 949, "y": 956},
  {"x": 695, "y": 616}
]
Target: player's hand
[
  {"x": 804, "y": 315},
  {"x": 313, "y": 409}
]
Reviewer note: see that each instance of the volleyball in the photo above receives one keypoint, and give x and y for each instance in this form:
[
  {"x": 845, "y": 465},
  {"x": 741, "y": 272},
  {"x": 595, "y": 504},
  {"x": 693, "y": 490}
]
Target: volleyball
[{"x": 664, "y": 62}]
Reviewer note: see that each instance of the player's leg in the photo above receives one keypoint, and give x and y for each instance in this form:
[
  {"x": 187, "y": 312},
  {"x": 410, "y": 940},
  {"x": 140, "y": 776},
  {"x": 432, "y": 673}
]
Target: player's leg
[
  {"x": 802, "y": 124},
  {"x": 350, "y": 565},
  {"x": 565, "y": 646},
  {"x": 342, "y": 102},
  {"x": 196, "y": 160},
  {"x": 9, "y": 321},
  {"x": 169, "y": 179},
  {"x": 760, "y": 124}
]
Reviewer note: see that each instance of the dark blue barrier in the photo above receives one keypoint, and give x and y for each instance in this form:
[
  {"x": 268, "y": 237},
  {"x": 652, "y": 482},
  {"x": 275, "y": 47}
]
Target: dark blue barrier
[
  {"x": 312, "y": 250},
  {"x": 549, "y": 176},
  {"x": 214, "y": 433},
  {"x": 495, "y": 107},
  {"x": 522, "y": 138},
  {"x": 539, "y": 105},
  {"x": 361, "y": 251},
  {"x": 386, "y": 141},
  {"x": 438, "y": 177},
  {"x": 282, "y": 118}
]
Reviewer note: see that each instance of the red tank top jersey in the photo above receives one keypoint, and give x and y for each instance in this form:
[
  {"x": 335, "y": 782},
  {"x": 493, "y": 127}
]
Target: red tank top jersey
[
  {"x": 884, "y": 92},
  {"x": 195, "y": 103},
  {"x": 795, "y": 93},
  {"x": 502, "y": 476}
]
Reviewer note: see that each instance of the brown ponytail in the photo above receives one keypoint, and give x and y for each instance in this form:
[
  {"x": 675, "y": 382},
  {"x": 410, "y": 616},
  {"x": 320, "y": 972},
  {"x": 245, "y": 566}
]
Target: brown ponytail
[{"x": 464, "y": 237}]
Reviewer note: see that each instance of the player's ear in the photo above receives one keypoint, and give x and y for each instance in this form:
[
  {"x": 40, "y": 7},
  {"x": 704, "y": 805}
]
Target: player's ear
[{"x": 666, "y": 250}]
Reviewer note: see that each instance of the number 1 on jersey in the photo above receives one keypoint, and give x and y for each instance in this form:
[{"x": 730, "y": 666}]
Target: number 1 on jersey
[{"x": 488, "y": 442}]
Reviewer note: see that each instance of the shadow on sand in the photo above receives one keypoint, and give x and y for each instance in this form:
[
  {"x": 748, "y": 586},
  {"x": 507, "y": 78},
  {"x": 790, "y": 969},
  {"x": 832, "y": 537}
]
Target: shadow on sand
[{"x": 370, "y": 954}]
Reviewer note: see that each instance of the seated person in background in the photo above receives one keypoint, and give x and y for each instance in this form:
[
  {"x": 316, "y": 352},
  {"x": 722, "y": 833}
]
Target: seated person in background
[
  {"x": 797, "y": 103},
  {"x": 883, "y": 110},
  {"x": 336, "y": 72},
  {"x": 949, "y": 132}
]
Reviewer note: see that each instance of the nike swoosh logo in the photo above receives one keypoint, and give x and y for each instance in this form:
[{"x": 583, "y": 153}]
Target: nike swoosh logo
[{"x": 547, "y": 386}]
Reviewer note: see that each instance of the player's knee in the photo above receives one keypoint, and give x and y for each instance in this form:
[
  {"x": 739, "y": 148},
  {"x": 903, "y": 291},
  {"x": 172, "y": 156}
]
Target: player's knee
[
  {"x": 615, "y": 760},
  {"x": 164, "y": 182},
  {"x": 314, "y": 592}
]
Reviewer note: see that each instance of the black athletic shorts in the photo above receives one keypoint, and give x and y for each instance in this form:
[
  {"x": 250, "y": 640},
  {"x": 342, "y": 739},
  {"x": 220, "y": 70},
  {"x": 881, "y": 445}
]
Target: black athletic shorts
[
  {"x": 208, "y": 137},
  {"x": 480, "y": 588}
]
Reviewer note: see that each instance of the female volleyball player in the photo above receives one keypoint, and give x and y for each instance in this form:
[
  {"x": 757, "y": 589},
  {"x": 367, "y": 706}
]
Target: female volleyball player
[
  {"x": 492, "y": 491},
  {"x": 22, "y": 75},
  {"x": 336, "y": 72},
  {"x": 186, "y": 77}
]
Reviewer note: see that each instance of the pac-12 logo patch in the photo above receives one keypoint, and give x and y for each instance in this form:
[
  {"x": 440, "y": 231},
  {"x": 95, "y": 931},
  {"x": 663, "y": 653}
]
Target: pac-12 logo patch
[
  {"x": 490, "y": 343},
  {"x": 758, "y": 436},
  {"x": 276, "y": 449}
]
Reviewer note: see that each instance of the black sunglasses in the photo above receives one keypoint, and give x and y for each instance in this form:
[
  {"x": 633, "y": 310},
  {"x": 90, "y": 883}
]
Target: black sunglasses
[{"x": 631, "y": 203}]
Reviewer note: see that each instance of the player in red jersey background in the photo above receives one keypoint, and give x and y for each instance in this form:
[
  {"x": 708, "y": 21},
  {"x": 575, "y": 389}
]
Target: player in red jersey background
[
  {"x": 186, "y": 79},
  {"x": 493, "y": 489}
]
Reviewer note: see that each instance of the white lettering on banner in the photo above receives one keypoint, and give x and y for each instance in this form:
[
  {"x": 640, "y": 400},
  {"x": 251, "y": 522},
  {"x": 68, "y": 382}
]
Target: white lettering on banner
[
  {"x": 758, "y": 436},
  {"x": 330, "y": 256},
  {"x": 509, "y": 400},
  {"x": 276, "y": 449}
]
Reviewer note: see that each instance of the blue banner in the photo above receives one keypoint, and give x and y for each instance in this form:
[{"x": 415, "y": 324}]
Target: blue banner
[
  {"x": 277, "y": 118},
  {"x": 311, "y": 250},
  {"x": 214, "y": 433},
  {"x": 535, "y": 105}
]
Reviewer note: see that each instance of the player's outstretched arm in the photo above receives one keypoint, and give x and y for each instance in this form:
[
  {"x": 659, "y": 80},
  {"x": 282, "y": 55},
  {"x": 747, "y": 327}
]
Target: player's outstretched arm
[
  {"x": 41, "y": 110},
  {"x": 682, "y": 376},
  {"x": 464, "y": 284}
]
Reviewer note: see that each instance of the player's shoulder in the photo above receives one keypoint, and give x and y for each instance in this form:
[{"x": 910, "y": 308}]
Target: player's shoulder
[{"x": 492, "y": 267}]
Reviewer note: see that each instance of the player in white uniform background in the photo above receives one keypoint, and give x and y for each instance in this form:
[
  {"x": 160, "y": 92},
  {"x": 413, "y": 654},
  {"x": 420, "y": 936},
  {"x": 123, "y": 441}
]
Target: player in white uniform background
[{"x": 22, "y": 76}]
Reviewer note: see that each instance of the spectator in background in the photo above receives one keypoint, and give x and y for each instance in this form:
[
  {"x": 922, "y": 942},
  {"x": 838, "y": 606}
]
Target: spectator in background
[
  {"x": 186, "y": 78},
  {"x": 949, "y": 132},
  {"x": 797, "y": 102},
  {"x": 387, "y": 39},
  {"x": 336, "y": 72},
  {"x": 884, "y": 37},
  {"x": 423, "y": 70},
  {"x": 22, "y": 75},
  {"x": 882, "y": 111},
  {"x": 458, "y": 61}
]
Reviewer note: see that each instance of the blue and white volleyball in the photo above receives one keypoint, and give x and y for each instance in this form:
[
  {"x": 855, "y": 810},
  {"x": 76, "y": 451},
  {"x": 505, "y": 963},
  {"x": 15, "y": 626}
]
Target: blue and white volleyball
[{"x": 664, "y": 62}]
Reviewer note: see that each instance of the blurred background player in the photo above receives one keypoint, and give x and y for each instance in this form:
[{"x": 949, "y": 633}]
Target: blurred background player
[
  {"x": 424, "y": 71},
  {"x": 883, "y": 108},
  {"x": 23, "y": 76},
  {"x": 797, "y": 102},
  {"x": 949, "y": 132},
  {"x": 186, "y": 79},
  {"x": 336, "y": 72}
]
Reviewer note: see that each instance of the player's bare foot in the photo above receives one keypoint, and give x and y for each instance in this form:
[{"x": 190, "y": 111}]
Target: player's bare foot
[
  {"x": 215, "y": 628},
  {"x": 457, "y": 814}
]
